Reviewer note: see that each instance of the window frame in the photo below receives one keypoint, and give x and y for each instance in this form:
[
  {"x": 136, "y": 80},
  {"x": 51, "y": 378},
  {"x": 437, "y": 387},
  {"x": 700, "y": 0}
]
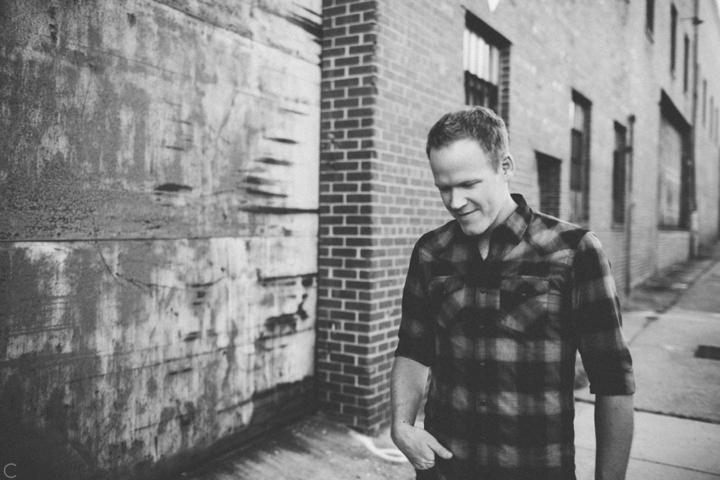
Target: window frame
[
  {"x": 712, "y": 115},
  {"x": 704, "y": 103},
  {"x": 650, "y": 17},
  {"x": 580, "y": 142},
  {"x": 673, "y": 37},
  {"x": 549, "y": 170},
  {"x": 686, "y": 63},
  {"x": 619, "y": 186},
  {"x": 672, "y": 116},
  {"x": 497, "y": 93}
]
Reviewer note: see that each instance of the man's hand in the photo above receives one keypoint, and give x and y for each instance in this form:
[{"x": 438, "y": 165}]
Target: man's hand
[{"x": 418, "y": 446}]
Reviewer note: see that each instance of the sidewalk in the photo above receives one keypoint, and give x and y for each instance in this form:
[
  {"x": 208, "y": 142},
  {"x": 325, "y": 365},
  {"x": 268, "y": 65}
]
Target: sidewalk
[
  {"x": 677, "y": 420},
  {"x": 677, "y": 403}
]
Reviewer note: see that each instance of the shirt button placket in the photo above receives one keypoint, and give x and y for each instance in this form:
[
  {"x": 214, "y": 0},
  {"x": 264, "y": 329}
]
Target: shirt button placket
[
  {"x": 481, "y": 408},
  {"x": 481, "y": 399}
]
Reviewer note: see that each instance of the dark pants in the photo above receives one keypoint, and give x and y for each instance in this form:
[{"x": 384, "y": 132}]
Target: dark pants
[{"x": 429, "y": 474}]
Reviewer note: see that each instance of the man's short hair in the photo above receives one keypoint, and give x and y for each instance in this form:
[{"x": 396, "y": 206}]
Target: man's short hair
[{"x": 476, "y": 123}]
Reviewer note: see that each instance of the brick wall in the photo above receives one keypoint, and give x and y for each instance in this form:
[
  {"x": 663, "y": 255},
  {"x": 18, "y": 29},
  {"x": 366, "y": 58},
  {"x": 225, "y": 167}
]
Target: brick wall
[
  {"x": 673, "y": 247},
  {"x": 349, "y": 334},
  {"x": 377, "y": 195}
]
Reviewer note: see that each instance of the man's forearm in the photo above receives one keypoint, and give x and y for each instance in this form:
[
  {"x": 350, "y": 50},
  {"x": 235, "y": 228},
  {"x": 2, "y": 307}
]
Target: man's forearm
[
  {"x": 408, "y": 387},
  {"x": 613, "y": 433}
]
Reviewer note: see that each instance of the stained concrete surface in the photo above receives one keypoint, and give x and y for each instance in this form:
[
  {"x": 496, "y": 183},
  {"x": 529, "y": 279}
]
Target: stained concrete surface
[
  {"x": 314, "y": 448},
  {"x": 669, "y": 378},
  {"x": 664, "y": 447},
  {"x": 677, "y": 419},
  {"x": 677, "y": 403}
]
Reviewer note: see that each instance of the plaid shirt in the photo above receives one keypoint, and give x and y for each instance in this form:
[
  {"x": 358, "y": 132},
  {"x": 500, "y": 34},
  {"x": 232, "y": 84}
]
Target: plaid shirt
[{"x": 501, "y": 336}]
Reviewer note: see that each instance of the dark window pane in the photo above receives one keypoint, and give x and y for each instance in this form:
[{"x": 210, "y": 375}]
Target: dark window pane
[{"x": 549, "y": 183}]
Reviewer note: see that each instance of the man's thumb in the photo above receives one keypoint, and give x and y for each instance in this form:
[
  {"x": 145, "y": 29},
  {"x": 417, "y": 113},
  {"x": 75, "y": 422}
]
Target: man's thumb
[{"x": 440, "y": 450}]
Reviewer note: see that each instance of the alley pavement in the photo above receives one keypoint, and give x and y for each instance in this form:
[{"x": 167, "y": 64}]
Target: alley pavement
[{"x": 672, "y": 324}]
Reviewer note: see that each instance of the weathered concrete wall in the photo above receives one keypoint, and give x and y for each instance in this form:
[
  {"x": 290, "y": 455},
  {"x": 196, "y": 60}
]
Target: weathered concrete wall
[
  {"x": 158, "y": 218},
  {"x": 141, "y": 118}
]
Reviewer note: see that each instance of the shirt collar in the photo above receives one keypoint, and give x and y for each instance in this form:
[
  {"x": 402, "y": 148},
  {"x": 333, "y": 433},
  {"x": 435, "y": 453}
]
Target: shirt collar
[{"x": 514, "y": 227}]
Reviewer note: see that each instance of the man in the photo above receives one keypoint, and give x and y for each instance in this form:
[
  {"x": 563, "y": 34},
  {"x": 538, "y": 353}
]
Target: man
[{"x": 496, "y": 304}]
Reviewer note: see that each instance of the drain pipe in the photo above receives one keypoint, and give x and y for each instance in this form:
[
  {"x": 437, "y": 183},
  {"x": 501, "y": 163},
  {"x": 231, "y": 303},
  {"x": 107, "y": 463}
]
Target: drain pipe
[
  {"x": 694, "y": 227},
  {"x": 629, "y": 204}
]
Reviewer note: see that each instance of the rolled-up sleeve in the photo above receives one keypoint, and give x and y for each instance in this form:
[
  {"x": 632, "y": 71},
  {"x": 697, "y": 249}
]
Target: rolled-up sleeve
[
  {"x": 416, "y": 334},
  {"x": 598, "y": 322}
]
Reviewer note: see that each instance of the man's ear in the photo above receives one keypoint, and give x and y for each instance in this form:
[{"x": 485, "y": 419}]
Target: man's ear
[{"x": 507, "y": 166}]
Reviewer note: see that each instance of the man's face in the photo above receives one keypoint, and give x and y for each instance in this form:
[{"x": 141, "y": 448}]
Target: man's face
[{"x": 471, "y": 189}]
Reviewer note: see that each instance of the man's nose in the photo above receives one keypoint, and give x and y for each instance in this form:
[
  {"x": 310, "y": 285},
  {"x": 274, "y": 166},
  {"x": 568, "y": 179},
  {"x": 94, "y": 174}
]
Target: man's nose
[{"x": 457, "y": 199}]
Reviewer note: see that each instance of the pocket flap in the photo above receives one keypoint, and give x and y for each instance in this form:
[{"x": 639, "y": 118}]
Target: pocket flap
[
  {"x": 523, "y": 302},
  {"x": 450, "y": 295}
]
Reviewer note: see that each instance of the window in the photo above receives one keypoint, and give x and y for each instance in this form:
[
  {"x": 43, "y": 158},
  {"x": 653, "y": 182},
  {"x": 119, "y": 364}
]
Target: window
[
  {"x": 579, "y": 158},
  {"x": 675, "y": 178},
  {"x": 486, "y": 61},
  {"x": 704, "y": 103},
  {"x": 618, "y": 193},
  {"x": 650, "y": 16},
  {"x": 686, "y": 64},
  {"x": 712, "y": 110},
  {"x": 549, "y": 182},
  {"x": 673, "y": 37}
]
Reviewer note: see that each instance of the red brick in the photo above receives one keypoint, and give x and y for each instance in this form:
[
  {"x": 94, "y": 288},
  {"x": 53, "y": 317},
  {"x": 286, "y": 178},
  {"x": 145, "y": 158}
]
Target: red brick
[
  {"x": 346, "y": 19},
  {"x": 339, "y": 10},
  {"x": 357, "y": 327},
  {"x": 348, "y": 40},
  {"x": 359, "y": 155},
  {"x": 337, "y": 357},
  {"x": 347, "y": 123},
  {"x": 362, "y": 28},
  {"x": 358, "y": 49},
  {"x": 347, "y": 82},
  {"x": 358, "y": 7},
  {"x": 346, "y": 103},
  {"x": 347, "y": 61},
  {"x": 357, "y": 391},
  {"x": 334, "y": 32}
]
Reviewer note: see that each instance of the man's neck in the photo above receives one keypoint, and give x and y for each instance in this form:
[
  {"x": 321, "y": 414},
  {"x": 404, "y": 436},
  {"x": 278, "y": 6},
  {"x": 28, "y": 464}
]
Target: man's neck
[{"x": 507, "y": 209}]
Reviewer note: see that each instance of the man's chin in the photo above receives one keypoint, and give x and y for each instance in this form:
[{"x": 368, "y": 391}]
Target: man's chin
[{"x": 472, "y": 229}]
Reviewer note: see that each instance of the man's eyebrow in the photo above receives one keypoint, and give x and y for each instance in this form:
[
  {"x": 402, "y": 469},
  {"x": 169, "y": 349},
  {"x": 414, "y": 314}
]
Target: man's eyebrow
[{"x": 464, "y": 182}]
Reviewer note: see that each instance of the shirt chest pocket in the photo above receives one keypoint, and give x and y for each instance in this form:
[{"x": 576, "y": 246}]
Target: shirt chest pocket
[
  {"x": 451, "y": 298},
  {"x": 527, "y": 305}
]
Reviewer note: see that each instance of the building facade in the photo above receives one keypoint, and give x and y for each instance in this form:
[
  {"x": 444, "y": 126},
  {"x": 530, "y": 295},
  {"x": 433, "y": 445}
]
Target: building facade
[{"x": 610, "y": 109}]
